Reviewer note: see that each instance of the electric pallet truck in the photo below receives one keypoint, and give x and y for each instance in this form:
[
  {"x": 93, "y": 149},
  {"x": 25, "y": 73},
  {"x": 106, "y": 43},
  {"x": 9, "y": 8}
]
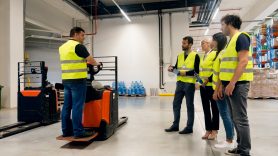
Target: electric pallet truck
[
  {"x": 37, "y": 99},
  {"x": 100, "y": 113}
]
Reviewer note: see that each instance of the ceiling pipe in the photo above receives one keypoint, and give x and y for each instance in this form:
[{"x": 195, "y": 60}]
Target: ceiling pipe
[
  {"x": 171, "y": 37},
  {"x": 193, "y": 12},
  {"x": 210, "y": 10},
  {"x": 206, "y": 11},
  {"x": 215, "y": 6},
  {"x": 94, "y": 18},
  {"x": 161, "y": 63},
  {"x": 201, "y": 11},
  {"x": 144, "y": 13}
]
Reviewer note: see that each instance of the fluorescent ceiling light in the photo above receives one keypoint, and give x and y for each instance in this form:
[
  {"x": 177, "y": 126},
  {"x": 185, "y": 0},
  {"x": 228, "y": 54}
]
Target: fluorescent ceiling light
[
  {"x": 215, "y": 14},
  {"x": 206, "y": 33},
  {"x": 124, "y": 14}
]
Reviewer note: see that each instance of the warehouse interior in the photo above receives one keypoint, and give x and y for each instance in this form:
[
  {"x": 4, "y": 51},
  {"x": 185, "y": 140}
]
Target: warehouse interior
[{"x": 145, "y": 37}]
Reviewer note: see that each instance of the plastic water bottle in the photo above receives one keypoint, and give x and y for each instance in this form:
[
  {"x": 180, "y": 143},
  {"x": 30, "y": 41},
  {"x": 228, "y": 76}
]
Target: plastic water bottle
[{"x": 177, "y": 72}]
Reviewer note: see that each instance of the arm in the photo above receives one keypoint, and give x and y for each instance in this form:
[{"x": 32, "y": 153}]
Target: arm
[
  {"x": 243, "y": 61},
  {"x": 171, "y": 68},
  {"x": 176, "y": 65},
  {"x": 81, "y": 51},
  {"x": 92, "y": 61}
]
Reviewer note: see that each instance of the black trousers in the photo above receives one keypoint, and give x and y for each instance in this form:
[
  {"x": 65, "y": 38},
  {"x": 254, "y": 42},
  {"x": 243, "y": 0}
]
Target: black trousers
[
  {"x": 186, "y": 90},
  {"x": 210, "y": 108}
]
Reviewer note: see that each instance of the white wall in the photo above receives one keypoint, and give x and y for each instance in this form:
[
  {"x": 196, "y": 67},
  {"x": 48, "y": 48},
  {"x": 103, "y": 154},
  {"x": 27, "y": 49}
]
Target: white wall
[
  {"x": 136, "y": 45},
  {"x": 51, "y": 58},
  {"x": 180, "y": 29}
]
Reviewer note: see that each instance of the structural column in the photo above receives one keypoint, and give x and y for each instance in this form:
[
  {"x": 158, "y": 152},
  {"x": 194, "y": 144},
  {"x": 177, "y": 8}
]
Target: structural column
[{"x": 11, "y": 48}]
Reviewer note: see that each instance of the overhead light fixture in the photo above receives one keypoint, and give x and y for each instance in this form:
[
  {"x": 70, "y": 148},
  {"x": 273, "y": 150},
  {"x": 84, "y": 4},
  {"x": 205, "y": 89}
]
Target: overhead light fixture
[
  {"x": 215, "y": 14},
  {"x": 269, "y": 17},
  {"x": 124, "y": 14},
  {"x": 206, "y": 33}
]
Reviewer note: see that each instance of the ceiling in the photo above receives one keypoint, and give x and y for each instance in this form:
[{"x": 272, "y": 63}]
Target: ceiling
[
  {"x": 238, "y": 7},
  {"x": 249, "y": 10},
  {"x": 107, "y": 7},
  {"x": 205, "y": 10}
]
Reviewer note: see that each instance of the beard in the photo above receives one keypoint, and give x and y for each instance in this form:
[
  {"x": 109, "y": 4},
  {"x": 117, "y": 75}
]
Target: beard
[{"x": 184, "y": 49}]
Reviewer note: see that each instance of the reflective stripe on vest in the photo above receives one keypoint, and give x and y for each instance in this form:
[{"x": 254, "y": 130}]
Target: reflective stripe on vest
[
  {"x": 233, "y": 70},
  {"x": 206, "y": 70},
  {"x": 229, "y": 62},
  {"x": 74, "y": 71},
  {"x": 187, "y": 65},
  {"x": 72, "y": 61},
  {"x": 233, "y": 59},
  {"x": 72, "y": 66},
  {"x": 216, "y": 70}
]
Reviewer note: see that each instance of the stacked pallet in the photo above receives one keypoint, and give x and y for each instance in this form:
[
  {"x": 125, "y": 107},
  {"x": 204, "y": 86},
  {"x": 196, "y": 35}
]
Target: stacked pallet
[{"x": 264, "y": 85}]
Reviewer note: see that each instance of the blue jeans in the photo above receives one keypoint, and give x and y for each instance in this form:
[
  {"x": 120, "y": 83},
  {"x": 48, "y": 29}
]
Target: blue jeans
[
  {"x": 226, "y": 117},
  {"x": 74, "y": 100}
]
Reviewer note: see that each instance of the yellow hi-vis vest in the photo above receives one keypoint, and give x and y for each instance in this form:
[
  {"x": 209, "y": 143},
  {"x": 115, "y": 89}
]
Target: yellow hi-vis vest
[
  {"x": 187, "y": 65},
  {"x": 216, "y": 70},
  {"x": 73, "y": 66},
  {"x": 206, "y": 66},
  {"x": 229, "y": 62}
]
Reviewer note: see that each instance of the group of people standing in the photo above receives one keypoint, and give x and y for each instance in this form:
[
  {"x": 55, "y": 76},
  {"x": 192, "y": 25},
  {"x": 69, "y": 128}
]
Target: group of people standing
[{"x": 226, "y": 70}]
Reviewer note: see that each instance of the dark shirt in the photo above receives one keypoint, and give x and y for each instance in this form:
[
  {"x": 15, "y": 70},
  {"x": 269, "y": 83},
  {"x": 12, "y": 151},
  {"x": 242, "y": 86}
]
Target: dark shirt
[
  {"x": 242, "y": 43},
  {"x": 196, "y": 65},
  {"x": 80, "y": 51}
]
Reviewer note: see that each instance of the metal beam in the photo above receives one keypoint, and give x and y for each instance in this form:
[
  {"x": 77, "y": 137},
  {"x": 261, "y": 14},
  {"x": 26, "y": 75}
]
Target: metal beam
[{"x": 73, "y": 4}]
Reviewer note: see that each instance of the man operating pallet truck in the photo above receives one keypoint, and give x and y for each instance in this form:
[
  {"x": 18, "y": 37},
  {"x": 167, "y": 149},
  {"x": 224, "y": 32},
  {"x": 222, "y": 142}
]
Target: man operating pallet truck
[
  {"x": 98, "y": 118},
  {"x": 74, "y": 57}
]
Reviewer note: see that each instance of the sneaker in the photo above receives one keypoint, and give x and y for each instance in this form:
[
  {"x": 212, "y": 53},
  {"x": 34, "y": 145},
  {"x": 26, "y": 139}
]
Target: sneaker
[
  {"x": 234, "y": 151},
  {"x": 224, "y": 144},
  {"x": 84, "y": 135}
]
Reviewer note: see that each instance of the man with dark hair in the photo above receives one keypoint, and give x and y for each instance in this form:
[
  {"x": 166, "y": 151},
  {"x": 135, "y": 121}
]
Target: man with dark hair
[
  {"x": 75, "y": 30},
  {"x": 236, "y": 72},
  {"x": 74, "y": 57},
  {"x": 187, "y": 65}
]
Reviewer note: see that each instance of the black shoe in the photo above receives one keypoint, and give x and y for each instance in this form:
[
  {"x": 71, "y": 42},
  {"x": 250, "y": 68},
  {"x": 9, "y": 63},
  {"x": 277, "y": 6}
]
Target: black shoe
[
  {"x": 172, "y": 129},
  {"x": 234, "y": 151},
  {"x": 84, "y": 135},
  {"x": 186, "y": 131},
  {"x": 67, "y": 135}
]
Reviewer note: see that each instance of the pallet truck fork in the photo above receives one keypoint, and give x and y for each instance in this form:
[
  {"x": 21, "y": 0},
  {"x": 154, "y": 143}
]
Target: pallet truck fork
[{"x": 37, "y": 99}]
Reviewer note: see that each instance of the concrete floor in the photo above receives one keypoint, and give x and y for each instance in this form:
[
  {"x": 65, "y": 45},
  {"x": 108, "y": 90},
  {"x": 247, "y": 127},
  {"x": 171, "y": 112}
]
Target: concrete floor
[{"x": 144, "y": 133}]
